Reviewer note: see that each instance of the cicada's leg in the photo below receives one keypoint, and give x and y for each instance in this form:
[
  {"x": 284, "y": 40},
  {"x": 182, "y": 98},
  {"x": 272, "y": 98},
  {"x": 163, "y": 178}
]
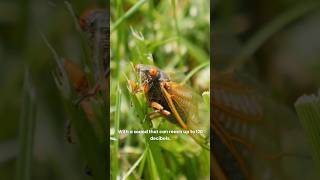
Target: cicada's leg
[
  {"x": 155, "y": 114},
  {"x": 160, "y": 108},
  {"x": 90, "y": 93},
  {"x": 159, "y": 111}
]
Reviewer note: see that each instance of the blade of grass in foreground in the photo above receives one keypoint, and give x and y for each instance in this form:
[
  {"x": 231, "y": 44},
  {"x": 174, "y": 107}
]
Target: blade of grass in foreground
[
  {"x": 115, "y": 163},
  {"x": 94, "y": 151},
  {"x": 83, "y": 40},
  {"x": 308, "y": 109},
  {"x": 26, "y": 130},
  {"x": 135, "y": 165},
  {"x": 152, "y": 166}
]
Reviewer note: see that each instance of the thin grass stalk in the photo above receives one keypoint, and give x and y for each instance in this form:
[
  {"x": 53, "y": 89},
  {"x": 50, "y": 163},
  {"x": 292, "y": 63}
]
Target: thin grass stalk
[
  {"x": 176, "y": 26},
  {"x": 116, "y": 134},
  {"x": 199, "y": 54},
  {"x": 194, "y": 71},
  {"x": 92, "y": 149},
  {"x": 129, "y": 13},
  {"x": 84, "y": 41},
  {"x": 26, "y": 130},
  {"x": 259, "y": 38},
  {"x": 135, "y": 165},
  {"x": 308, "y": 109}
]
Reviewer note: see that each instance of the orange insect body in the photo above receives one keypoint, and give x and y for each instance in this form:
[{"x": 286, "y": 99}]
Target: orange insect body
[
  {"x": 179, "y": 101},
  {"x": 176, "y": 103},
  {"x": 77, "y": 76},
  {"x": 79, "y": 81}
]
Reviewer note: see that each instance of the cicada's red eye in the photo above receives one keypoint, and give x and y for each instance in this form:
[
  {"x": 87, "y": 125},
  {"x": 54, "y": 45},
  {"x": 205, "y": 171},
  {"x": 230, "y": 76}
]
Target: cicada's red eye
[{"x": 153, "y": 72}]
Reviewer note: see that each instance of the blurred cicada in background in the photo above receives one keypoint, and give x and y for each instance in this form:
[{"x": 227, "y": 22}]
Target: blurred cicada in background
[
  {"x": 171, "y": 100},
  {"x": 95, "y": 23},
  {"x": 244, "y": 143}
]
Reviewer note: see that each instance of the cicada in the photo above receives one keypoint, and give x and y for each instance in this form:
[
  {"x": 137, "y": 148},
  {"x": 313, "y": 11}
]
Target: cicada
[
  {"x": 173, "y": 101},
  {"x": 240, "y": 144},
  {"x": 95, "y": 23}
]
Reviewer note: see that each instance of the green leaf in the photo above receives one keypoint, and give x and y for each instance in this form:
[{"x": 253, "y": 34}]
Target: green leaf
[
  {"x": 308, "y": 109},
  {"x": 129, "y": 13},
  {"x": 26, "y": 130},
  {"x": 258, "y": 39}
]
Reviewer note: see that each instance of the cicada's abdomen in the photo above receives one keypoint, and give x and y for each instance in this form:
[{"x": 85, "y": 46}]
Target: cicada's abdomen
[{"x": 95, "y": 23}]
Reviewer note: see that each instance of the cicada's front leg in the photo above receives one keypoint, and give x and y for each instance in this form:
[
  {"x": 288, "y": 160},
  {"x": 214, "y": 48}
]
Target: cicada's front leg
[
  {"x": 159, "y": 108},
  {"x": 158, "y": 111},
  {"x": 91, "y": 93}
]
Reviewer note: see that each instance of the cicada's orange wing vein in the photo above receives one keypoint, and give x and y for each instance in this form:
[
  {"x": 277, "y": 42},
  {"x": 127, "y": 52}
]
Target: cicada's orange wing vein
[
  {"x": 218, "y": 173},
  {"x": 183, "y": 102},
  {"x": 187, "y": 101},
  {"x": 172, "y": 107}
]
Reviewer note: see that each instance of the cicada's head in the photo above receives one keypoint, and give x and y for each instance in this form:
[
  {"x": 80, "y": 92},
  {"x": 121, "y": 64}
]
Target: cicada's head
[
  {"x": 93, "y": 17},
  {"x": 150, "y": 73}
]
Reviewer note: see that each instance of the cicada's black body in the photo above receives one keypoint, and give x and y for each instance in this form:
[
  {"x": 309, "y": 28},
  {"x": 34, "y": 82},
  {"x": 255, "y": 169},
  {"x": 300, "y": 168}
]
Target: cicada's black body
[
  {"x": 175, "y": 102},
  {"x": 152, "y": 88}
]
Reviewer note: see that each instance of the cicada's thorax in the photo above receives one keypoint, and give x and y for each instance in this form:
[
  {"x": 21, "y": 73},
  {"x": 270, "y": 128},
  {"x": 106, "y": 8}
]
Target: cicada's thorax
[{"x": 154, "y": 94}]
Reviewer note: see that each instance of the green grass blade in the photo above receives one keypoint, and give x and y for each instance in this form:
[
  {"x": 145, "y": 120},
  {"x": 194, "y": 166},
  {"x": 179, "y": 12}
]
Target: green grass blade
[
  {"x": 129, "y": 13},
  {"x": 258, "y": 39},
  {"x": 26, "y": 130},
  {"x": 206, "y": 98},
  {"x": 176, "y": 26},
  {"x": 134, "y": 165},
  {"x": 142, "y": 165},
  {"x": 115, "y": 164},
  {"x": 93, "y": 150},
  {"x": 160, "y": 43},
  {"x": 86, "y": 60},
  {"x": 308, "y": 109},
  {"x": 152, "y": 166},
  {"x": 199, "y": 54},
  {"x": 194, "y": 71}
]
